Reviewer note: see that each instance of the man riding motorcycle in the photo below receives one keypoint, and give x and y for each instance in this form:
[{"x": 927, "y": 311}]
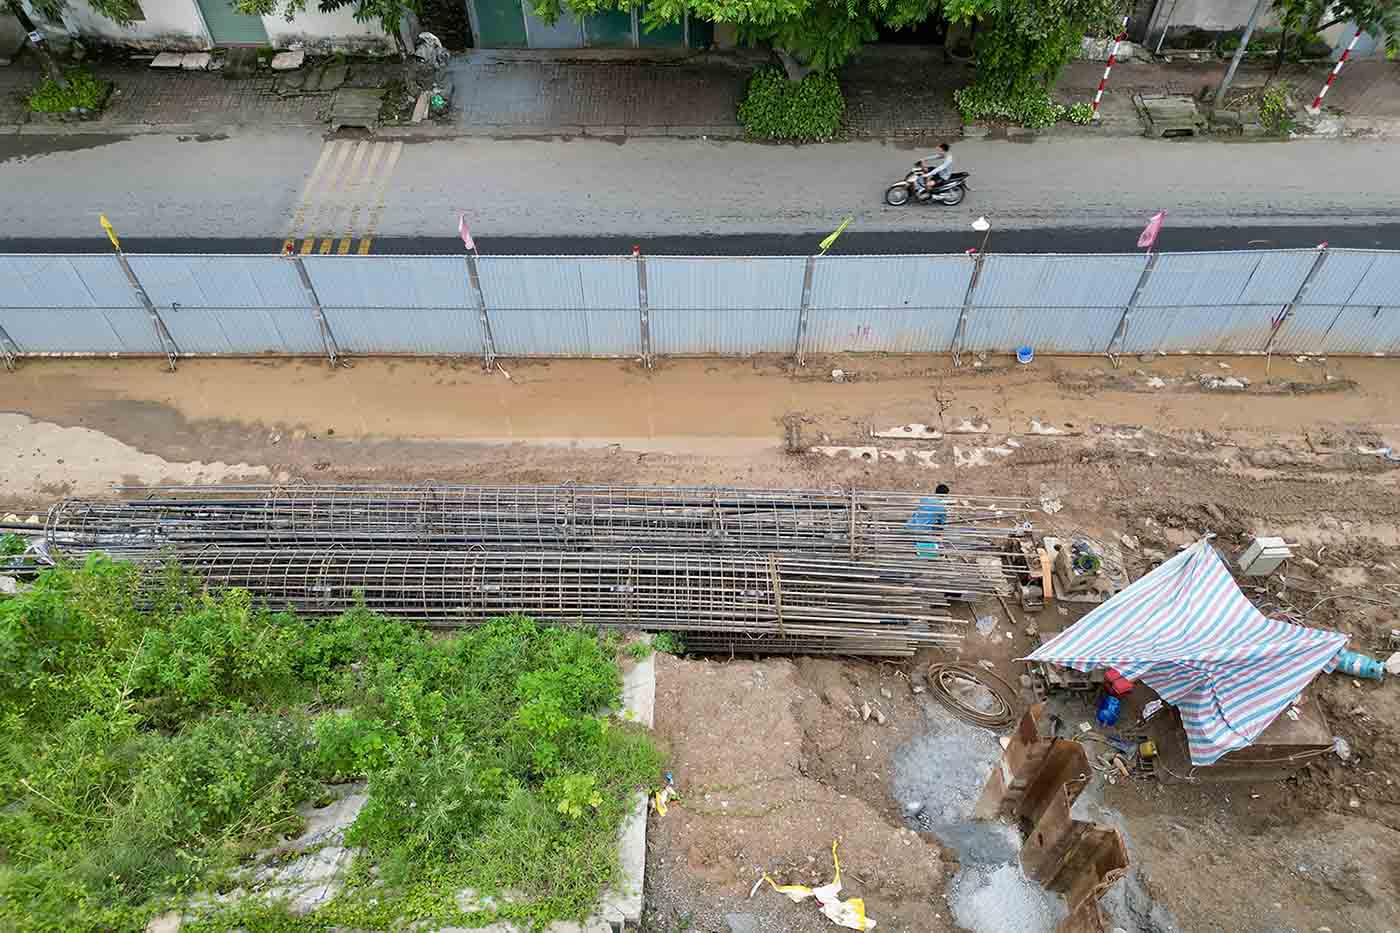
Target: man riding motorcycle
[{"x": 928, "y": 179}]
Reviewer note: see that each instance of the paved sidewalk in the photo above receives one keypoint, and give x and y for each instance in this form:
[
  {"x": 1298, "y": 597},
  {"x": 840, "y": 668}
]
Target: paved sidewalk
[
  {"x": 892, "y": 92},
  {"x": 522, "y": 93}
]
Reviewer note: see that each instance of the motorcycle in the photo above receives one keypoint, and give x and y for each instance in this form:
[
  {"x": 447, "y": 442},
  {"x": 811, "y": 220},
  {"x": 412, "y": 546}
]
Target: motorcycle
[{"x": 950, "y": 192}]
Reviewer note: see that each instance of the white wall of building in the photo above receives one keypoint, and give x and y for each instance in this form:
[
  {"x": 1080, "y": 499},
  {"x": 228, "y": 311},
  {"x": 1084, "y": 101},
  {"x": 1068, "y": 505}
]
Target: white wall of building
[
  {"x": 177, "y": 25},
  {"x": 334, "y": 31},
  {"x": 168, "y": 24}
]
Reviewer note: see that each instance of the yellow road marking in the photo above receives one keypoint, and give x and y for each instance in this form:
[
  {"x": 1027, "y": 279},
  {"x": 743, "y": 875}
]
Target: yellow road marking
[
  {"x": 307, "y": 194},
  {"x": 349, "y": 191},
  {"x": 362, "y": 184},
  {"x": 349, "y": 182},
  {"x": 326, "y": 201},
  {"x": 377, "y": 211}
]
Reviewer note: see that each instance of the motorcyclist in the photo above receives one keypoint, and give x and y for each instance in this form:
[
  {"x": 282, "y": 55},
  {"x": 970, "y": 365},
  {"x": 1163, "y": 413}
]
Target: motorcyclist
[{"x": 929, "y": 178}]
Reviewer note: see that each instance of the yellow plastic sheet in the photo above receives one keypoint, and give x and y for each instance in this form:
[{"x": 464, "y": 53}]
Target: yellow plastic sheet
[{"x": 849, "y": 914}]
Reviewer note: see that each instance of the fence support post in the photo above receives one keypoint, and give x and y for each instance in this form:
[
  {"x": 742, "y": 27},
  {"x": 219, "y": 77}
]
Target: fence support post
[
  {"x": 1287, "y": 311},
  {"x": 961, "y": 333},
  {"x": 167, "y": 343},
  {"x": 327, "y": 337},
  {"x": 9, "y": 349},
  {"x": 643, "y": 306},
  {"x": 487, "y": 338},
  {"x": 1120, "y": 335},
  {"x": 802, "y": 311}
]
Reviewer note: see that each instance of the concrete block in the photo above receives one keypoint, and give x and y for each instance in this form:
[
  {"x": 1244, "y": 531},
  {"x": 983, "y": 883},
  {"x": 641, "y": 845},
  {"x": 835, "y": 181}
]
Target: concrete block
[
  {"x": 622, "y": 904},
  {"x": 169, "y": 922},
  {"x": 639, "y": 691},
  {"x": 196, "y": 61},
  {"x": 420, "y": 106},
  {"x": 289, "y": 61},
  {"x": 168, "y": 60}
]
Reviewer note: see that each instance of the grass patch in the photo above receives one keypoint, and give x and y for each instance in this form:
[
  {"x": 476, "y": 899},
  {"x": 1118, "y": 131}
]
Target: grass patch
[
  {"x": 668, "y": 643},
  {"x": 154, "y": 737},
  {"x": 85, "y": 92}
]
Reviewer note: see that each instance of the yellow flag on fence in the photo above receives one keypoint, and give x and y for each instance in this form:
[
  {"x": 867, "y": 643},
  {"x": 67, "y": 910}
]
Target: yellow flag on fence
[
  {"x": 826, "y": 244},
  {"x": 111, "y": 234}
]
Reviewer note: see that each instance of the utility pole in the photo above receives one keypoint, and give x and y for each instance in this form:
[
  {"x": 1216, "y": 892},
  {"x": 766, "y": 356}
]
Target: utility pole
[
  {"x": 1239, "y": 53},
  {"x": 36, "y": 41}
]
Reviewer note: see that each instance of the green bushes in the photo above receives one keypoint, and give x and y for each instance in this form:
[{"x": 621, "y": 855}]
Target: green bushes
[
  {"x": 150, "y": 742},
  {"x": 85, "y": 92},
  {"x": 1031, "y": 107},
  {"x": 800, "y": 111}
]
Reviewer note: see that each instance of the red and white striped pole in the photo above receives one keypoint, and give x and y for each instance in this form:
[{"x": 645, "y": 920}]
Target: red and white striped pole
[
  {"x": 1317, "y": 101},
  {"x": 1112, "y": 57}
]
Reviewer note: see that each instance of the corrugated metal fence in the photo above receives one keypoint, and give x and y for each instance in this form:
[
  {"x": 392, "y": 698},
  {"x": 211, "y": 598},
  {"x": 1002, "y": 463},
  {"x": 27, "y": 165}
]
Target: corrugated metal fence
[{"x": 1286, "y": 301}]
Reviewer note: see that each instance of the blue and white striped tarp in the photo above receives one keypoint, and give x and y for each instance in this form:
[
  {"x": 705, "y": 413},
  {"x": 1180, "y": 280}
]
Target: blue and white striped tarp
[{"x": 1188, "y": 632}]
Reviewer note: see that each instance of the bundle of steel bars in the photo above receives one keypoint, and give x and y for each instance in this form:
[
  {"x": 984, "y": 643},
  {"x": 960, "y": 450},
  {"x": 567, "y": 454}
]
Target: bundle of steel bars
[
  {"x": 752, "y": 571},
  {"x": 746, "y": 604},
  {"x": 857, "y": 524}
]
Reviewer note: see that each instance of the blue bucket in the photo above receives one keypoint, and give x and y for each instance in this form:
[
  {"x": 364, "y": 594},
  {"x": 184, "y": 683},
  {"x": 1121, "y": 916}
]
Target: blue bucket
[
  {"x": 1025, "y": 355},
  {"x": 1359, "y": 665}
]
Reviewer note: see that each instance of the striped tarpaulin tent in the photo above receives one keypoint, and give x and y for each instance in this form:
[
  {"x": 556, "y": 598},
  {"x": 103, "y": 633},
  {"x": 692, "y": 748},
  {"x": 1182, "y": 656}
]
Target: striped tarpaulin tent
[{"x": 1188, "y": 632}]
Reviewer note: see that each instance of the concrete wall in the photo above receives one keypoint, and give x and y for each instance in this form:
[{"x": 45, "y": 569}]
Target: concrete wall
[
  {"x": 177, "y": 25},
  {"x": 1339, "y": 37},
  {"x": 1183, "y": 16},
  {"x": 169, "y": 24},
  {"x": 326, "y": 32}
]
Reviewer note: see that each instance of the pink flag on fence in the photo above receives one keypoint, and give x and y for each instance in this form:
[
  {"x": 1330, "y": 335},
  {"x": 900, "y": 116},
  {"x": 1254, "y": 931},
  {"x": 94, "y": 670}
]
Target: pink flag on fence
[
  {"x": 1154, "y": 227},
  {"x": 465, "y": 231}
]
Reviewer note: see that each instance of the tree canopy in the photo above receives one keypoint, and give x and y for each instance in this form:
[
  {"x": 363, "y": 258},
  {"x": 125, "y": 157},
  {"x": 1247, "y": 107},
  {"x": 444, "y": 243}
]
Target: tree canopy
[
  {"x": 1302, "y": 18},
  {"x": 1024, "y": 37},
  {"x": 121, "y": 12}
]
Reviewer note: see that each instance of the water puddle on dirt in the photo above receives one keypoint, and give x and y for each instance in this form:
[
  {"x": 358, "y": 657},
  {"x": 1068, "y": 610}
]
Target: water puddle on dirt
[{"x": 938, "y": 777}]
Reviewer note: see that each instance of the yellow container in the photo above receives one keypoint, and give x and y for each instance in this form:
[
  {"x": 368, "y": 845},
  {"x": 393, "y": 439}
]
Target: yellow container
[{"x": 1147, "y": 750}]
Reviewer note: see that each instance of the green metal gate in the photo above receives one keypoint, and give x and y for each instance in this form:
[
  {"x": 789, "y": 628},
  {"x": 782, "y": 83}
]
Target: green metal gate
[{"x": 227, "y": 26}]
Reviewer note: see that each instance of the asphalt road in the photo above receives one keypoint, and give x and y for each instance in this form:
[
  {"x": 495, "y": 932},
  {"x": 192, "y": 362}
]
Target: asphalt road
[{"x": 246, "y": 192}]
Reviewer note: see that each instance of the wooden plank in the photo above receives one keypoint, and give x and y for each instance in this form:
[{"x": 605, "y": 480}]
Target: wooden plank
[{"x": 1047, "y": 574}]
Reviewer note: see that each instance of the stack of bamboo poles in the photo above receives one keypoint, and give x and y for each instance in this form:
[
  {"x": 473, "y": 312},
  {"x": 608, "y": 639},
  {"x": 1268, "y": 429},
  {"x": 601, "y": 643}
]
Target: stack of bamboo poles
[{"x": 857, "y": 572}]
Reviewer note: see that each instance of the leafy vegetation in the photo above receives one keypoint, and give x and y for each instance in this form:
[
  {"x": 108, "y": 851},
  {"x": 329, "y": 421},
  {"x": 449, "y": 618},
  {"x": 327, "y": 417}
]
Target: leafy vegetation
[
  {"x": 1274, "y": 111},
  {"x": 11, "y": 544},
  {"x": 1080, "y": 114},
  {"x": 84, "y": 91},
  {"x": 1022, "y": 46},
  {"x": 668, "y": 643},
  {"x": 155, "y": 737},
  {"x": 776, "y": 108},
  {"x": 1300, "y": 22},
  {"x": 1030, "y": 107}
]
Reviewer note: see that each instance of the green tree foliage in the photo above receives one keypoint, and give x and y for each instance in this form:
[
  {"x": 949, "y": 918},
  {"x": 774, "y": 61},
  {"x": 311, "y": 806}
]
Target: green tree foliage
[
  {"x": 1301, "y": 20},
  {"x": 1024, "y": 44},
  {"x": 1017, "y": 40},
  {"x": 121, "y": 12}
]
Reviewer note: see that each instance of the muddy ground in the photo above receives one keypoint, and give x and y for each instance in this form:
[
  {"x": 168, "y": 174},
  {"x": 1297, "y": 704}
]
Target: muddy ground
[{"x": 1163, "y": 449}]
